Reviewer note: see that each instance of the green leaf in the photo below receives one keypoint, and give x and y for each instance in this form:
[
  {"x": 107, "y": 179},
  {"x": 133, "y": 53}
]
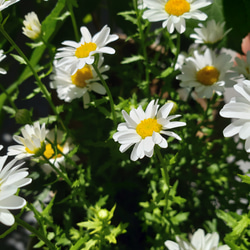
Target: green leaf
[
  {"x": 18, "y": 58},
  {"x": 227, "y": 218},
  {"x": 132, "y": 59},
  {"x": 241, "y": 225},
  {"x": 245, "y": 178}
]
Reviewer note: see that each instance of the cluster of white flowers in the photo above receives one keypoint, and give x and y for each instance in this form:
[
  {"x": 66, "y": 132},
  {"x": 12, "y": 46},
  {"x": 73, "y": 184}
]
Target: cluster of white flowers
[{"x": 74, "y": 75}]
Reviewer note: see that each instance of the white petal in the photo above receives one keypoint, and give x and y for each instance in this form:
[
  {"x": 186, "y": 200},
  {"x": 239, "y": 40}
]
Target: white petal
[
  {"x": 6, "y": 217},
  {"x": 171, "y": 245}
]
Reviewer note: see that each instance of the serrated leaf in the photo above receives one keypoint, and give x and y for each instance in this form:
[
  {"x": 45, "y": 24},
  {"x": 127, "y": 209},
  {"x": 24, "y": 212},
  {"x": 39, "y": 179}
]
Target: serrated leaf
[
  {"x": 241, "y": 225},
  {"x": 227, "y": 218}
]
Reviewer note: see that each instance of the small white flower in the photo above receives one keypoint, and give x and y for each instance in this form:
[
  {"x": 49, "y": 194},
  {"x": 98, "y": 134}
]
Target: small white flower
[
  {"x": 207, "y": 73},
  {"x": 76, "y": 55},
  {"x": 32, "y": 26},
  {"x": 239, "y": 109},
  {"x": 32, "y": 142},
  {"x": 56, "y": 158},
  {"x": 6, "y": 3},
  {"x": 11, "y": 178},
  {"x": 210, "y": 34},
  {"x": 70, "y": 87},
  {"x": 2, "y": 56},
  {"x": 174, "y": 12},
  {"x": 144, "y": 129},
  {"x": 199, "y": 241},
  {"x": 243, "y": 66}
]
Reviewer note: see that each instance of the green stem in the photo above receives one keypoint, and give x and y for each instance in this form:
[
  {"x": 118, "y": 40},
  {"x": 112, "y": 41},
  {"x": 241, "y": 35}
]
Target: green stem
[
  {"x": 9, "y": 98},
  {"x": 62, "y": 175},
  {"x": 111, "y": 101},
  {"x": 35, "y": 232},
  {"x": 165, "y": 175},
  {"x": 143, "y": 34},
  {"x": 73, "y": 20},
  {"x": 178, "y": 47},
  {"x": 38, "y": 80}
]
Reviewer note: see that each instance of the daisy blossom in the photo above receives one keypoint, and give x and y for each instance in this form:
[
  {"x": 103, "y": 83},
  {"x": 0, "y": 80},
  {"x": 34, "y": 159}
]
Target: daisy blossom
[
  {"x": 6, "y": 3},
  {"x": 76, "y": 55},
  {"x": 56, "y": 139},
  {"x": 12, "y": 177},
  {"x": 70, "y": 87},
  {"x": 239, "y": 109},
  {"x": 207, "y": 73},
  {"x": 144, "y": 129},
  {"x": 2, "y": 56},
  {"x": 199, "y": 241},
  {"x": 210, "y": 34},
  {"x": 174, "y": 12},
  {"x": 32, "y": 26},
  {"x": 32, "y": 142}
]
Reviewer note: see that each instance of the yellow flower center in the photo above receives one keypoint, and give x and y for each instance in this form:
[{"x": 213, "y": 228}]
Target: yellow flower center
[
  {"x": 50, "y": 153},
  {"x": 147, "y": 127},
  {"x": 81, "y": 75},
  {"x": 177, "y": 7},
  {"x": 208, "y": 75},
  {"x": 36, "y": 151},
  {"x": 85, "y": 49}
]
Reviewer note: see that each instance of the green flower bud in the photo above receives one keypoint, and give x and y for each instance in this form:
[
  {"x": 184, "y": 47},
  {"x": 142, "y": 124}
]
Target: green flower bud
[
  {"x": 175, "y": 107},
  {"x": 103, "y": 214}
]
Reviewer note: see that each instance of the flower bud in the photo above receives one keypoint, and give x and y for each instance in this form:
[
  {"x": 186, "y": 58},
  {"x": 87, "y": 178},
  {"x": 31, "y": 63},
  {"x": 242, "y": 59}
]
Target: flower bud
[
  {"x": 103, "y": 214},
  {"x": 32, "y": 26}
]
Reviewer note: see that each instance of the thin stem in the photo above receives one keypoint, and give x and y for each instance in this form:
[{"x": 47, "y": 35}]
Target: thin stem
[
  {"x": 165, "y": 176},
  {"x": 38, "y": 80},
  {"x": 178, "y": 47},
  {"x": 9, "y": 98},
  {"x": 111, "y": 101},
  {"x": 62, "y": 175},
  {"x": 143, "y": 42},
  {"x": 73, "y": 20},
  {"x": 35, "y": 232}
]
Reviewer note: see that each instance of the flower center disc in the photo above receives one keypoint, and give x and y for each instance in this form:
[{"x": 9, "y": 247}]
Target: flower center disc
[
  {"x": 49, "y": 151},
  {"x": 177, "y": 7},
  {"x": 81, "y": 75},
  {"x": 208, "y": 75},
  {"x": 85, "y": 49},
  {"x": 147, "y": 127}
]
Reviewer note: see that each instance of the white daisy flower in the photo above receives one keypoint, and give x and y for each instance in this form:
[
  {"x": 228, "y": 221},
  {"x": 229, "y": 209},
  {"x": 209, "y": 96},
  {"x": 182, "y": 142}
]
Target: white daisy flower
[
  {"x": 32, "y": 142},
  {"x": 210, "y": 34},
  {"x": 174, "y": 12},
  {"x": 207, "y": 73},
  {"x": 144, "y": 129},
  {"x": 32, "y": 26},
  {"x": 11, "y": 178},
  {"x": 243, "y": 66},
  {"x": 6, "y": 3},
  {"x": 76, "y": 55},
  {"x": 199, "y": 241},
  {"x": 70, "y": 87},
  {"x": 239, "y": 109},
  {"x": 56, "y": 158},
  {"x": 2, "y": 56}
]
